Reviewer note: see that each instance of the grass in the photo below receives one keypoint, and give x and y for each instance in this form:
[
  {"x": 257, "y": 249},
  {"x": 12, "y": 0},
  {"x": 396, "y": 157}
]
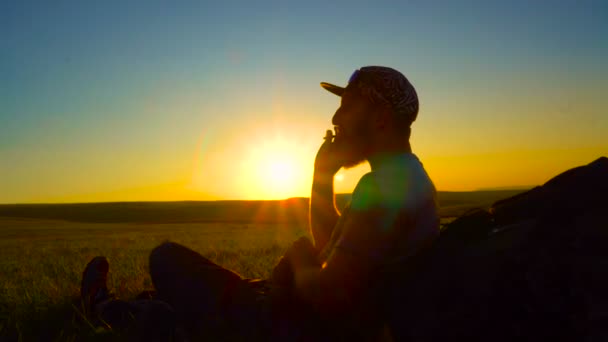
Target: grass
[{"x": 41, "y": 264}]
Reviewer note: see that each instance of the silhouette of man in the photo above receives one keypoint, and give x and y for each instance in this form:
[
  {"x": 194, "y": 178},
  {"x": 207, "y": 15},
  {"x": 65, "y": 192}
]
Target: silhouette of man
[
  {"x": 392, "y": 213},
  {"x": 321, "y": 290}
]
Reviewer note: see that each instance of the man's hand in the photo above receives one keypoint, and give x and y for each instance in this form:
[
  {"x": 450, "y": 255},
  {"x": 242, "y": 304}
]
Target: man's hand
[
  {"x": 327, "y": 162},
  {"x": 302, "y": 254},
  {"x": 299, "y": 255},
  {"x": 282, "y": 273}
]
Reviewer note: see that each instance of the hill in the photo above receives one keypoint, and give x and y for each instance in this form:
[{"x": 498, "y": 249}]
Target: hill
[{"x": 293, "y": 210}]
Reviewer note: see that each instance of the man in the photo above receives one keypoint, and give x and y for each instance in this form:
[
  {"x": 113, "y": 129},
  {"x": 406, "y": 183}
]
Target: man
[
  {"x": 392, "y": 214},
  {"x": 329, "y": 284}
]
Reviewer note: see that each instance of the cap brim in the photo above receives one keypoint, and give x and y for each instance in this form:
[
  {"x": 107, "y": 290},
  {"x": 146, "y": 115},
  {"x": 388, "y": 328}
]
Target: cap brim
[{"x": 332, "y": 88}]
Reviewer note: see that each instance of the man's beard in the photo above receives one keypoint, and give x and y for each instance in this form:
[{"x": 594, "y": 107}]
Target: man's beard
[{"x": 353, "y": 148}]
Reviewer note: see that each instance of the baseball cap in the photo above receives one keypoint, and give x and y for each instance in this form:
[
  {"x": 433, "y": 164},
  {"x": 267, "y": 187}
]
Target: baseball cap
[{"x": 382, "y": 85}]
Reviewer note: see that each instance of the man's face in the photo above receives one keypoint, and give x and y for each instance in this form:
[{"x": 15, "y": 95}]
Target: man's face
[{"x": 354, "y": 130}]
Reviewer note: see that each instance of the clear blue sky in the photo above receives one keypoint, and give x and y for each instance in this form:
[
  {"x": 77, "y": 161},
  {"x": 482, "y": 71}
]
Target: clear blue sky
[{"x": 145, "y": 100}]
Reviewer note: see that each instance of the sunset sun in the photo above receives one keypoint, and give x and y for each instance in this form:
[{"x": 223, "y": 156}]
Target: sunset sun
[
  {"x": 280, "y": 172},
  {"x": 275, "y": 167}
]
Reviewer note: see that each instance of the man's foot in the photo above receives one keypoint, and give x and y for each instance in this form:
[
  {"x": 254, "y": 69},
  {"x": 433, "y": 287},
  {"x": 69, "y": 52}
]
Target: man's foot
[{"x": 93, "y": 288}]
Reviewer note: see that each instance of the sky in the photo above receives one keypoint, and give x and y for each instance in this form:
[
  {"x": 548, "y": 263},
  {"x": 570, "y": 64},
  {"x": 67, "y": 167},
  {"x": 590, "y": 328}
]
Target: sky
[{"x": 198, "y": 100}]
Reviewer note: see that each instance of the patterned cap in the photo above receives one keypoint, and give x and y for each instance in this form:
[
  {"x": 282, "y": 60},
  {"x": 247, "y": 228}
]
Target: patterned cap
[{"x": 382, "y": 85}]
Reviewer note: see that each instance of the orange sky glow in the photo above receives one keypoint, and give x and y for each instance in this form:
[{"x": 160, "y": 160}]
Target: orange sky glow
[{"x": 163, "y": 103}]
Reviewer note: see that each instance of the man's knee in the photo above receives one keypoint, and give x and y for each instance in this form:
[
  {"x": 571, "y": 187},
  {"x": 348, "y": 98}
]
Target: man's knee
[
  {"x": 173, "y": 258},
  {"x": 162, "y": 251}
]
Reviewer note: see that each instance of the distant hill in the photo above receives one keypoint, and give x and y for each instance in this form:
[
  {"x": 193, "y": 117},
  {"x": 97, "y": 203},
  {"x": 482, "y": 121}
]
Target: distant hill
[
  {"x": 293, "y": 210},
  {"x": 501, "y": 188}
]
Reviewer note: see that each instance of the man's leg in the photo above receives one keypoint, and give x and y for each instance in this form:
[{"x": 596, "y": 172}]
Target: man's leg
[
  {"x": 206, "y": 297},
  {"x": 144, "y": 319}
]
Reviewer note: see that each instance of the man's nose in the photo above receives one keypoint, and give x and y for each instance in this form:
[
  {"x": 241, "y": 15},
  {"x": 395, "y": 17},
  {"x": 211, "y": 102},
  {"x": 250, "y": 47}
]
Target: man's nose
[{"x": 335, "y": 120}]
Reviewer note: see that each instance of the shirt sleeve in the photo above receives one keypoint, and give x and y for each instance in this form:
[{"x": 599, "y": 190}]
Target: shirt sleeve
[{"x": 371, "y": 225}]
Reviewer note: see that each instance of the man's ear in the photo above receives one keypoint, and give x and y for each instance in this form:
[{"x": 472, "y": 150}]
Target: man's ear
[{"x": 383, "y": 118}]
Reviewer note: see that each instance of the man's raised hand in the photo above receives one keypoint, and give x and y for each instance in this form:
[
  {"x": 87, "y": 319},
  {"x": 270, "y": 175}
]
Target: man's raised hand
[{"x": 326, "y": 161}]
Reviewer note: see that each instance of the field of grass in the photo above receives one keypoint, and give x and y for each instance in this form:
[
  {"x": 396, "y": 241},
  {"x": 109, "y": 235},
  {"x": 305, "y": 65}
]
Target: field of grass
[
  {"x": 41, "y": 263},
  {"x": 44, "y": 248}
]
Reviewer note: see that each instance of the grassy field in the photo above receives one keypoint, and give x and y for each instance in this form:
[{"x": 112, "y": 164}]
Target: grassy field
[
  {"x": 41, "y": 263},
  {"x": 42, "y": 259}
]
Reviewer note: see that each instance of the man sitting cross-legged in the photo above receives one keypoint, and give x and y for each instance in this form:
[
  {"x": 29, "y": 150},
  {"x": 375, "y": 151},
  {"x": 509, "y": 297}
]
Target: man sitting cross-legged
[{"x": 321, "y": 290}]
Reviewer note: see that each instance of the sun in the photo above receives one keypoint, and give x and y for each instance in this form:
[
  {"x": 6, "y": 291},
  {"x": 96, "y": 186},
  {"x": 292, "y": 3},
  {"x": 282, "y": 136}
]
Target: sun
[
  {"x": 281, "y": 172},
  {"x": 277, "y": 174},
  {"x": 275, "y": 168}
]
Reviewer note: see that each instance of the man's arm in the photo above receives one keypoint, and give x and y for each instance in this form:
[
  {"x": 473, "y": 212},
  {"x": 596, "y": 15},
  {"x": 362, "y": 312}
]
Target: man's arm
[
  {"x": 333, "y": 288},
  {"x": 337, "y": 285},
  {"x": 323, "y": 213}
]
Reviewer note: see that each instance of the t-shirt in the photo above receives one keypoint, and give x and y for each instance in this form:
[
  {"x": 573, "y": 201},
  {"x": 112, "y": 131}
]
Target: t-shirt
[{"x": 398, "y": 206}]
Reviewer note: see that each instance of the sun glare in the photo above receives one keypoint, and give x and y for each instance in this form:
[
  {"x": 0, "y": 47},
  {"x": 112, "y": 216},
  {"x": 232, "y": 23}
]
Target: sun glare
[
  {"x": 280, "y": 172},
  {"x": 275, "y": 168}
]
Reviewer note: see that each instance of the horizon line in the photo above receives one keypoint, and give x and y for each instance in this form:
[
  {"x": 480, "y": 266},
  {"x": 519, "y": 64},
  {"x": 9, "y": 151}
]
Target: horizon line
[{"x": 505, "y": 189}]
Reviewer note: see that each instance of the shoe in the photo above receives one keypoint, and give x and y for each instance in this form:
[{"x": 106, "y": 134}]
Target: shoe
[{"x": 93, "y": 287}]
